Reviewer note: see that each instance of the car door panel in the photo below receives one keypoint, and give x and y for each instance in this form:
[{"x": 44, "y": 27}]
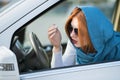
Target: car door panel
[{"x": 106, "y": 71}]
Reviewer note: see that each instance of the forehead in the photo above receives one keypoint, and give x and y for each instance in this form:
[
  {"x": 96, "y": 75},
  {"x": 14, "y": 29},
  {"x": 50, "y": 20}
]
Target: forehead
[{"x": 74, "y": 22}]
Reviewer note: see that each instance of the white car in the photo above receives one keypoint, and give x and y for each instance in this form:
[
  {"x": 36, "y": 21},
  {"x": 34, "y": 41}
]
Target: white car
[{"x": 25, "y": 51}]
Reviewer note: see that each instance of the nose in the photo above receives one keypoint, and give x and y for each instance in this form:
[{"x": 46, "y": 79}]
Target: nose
[{"x": 72, "y": 34}]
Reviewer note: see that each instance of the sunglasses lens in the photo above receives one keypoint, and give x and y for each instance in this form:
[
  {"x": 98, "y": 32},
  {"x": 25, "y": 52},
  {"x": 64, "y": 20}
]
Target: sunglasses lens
[
  {"x": 70, "y": 29},
  {"x": 76, "y": 31}
]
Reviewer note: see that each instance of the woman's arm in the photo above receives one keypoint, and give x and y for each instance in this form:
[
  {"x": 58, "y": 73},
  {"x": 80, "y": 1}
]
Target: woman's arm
[
  {"x": 54, "y": 36},
  {"x": 67, "y": 59},
  {"x": 58, "y": 60}
]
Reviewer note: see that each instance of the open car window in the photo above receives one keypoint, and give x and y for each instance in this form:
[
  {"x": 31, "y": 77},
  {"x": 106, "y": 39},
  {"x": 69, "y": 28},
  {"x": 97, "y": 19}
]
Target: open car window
[{"x": 35, "y": 33}]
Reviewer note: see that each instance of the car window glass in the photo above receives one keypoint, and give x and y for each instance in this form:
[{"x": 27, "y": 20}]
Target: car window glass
[{"x": 55, "y": 15}]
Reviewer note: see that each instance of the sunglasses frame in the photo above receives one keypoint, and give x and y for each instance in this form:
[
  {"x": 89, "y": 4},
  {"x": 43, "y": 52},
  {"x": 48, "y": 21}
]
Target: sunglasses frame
[{"x": 73, "y": 29}]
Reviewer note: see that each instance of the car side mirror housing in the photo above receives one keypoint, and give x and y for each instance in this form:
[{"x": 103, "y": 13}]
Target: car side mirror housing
[{"x": 8, "y": 65}]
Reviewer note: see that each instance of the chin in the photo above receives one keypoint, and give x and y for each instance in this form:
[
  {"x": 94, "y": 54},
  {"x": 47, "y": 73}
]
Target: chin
[{"x": 76, "y": 45}]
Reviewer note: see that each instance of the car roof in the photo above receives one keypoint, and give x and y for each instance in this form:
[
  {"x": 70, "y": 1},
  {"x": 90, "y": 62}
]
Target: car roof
[{"x": 19, "y": 10}]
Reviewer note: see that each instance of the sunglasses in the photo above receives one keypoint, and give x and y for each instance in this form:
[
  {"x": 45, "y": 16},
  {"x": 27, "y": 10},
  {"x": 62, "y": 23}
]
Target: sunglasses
[{"x": 73, "y": 29}]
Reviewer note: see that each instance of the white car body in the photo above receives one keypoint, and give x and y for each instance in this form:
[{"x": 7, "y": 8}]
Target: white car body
[{"x": 16, "y": 16}]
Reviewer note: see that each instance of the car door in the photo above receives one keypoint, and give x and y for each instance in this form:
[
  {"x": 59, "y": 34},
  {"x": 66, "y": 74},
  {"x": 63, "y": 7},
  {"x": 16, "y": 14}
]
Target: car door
[
  {"x": 38, "y": 24},
  {"x": 108, "y": 71}
]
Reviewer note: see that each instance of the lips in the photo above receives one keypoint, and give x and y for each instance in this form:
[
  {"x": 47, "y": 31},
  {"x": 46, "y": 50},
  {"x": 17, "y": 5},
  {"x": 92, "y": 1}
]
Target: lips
[{"x": 74, "y": 41}]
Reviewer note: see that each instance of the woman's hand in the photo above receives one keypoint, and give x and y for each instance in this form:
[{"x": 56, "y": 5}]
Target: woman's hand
[{"x": 55, "y": 37}]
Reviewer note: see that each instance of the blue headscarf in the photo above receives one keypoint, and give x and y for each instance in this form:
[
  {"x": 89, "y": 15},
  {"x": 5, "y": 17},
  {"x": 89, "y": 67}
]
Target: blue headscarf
[{"x": 104, "y": 39}]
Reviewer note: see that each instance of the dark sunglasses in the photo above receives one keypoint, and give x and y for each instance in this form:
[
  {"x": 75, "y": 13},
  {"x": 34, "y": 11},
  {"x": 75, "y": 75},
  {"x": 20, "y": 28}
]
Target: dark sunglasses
[{"x": 73, "y": 29}]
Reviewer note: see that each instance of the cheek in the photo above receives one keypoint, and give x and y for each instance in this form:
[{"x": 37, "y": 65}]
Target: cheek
[{"x": 78, "y": 43}]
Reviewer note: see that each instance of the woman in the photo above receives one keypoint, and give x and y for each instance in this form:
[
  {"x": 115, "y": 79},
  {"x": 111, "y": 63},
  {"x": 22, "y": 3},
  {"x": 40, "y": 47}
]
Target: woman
[{"x": 91, "y": 39}]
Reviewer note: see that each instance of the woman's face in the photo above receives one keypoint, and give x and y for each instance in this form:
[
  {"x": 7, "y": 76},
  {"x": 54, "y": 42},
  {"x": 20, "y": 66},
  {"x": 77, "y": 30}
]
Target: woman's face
[{"x": 74, "y": 32}]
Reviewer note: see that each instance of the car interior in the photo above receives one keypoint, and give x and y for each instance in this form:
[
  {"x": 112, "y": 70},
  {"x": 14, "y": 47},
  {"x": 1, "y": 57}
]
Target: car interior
[{"x": 32, "y": 57}]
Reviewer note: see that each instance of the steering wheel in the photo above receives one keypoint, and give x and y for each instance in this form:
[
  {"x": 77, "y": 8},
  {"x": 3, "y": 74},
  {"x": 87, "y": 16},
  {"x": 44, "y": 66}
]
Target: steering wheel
[{"x": 39, "y": 51}]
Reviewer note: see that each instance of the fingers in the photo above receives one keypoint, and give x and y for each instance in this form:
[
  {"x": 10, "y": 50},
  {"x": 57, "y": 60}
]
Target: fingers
[
  {"x": 54, "y": 36},
  {"x": 52, "y": 27},
  {"x": 52, "y": 31}
]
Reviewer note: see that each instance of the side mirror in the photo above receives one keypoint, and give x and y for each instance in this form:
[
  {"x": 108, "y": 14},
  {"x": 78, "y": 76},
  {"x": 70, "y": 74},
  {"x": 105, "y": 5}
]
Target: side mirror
[{"x": 8, "y": 65}]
